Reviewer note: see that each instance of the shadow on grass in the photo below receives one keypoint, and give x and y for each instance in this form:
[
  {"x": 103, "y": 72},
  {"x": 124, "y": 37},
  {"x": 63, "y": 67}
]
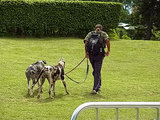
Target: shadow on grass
[
  {"x": 94, "y": 96},
  {"x": 35, "y": 93},
  {"x": 48, "y": 99},
  {"x": 43, "y": 98},
  {"x": 27, "y": 95}
]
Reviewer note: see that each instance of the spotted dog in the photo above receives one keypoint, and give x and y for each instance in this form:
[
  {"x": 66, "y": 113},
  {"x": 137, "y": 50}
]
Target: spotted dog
[
  {"x": 53, "y": 73},
  {"x": 32, "y": 73}
]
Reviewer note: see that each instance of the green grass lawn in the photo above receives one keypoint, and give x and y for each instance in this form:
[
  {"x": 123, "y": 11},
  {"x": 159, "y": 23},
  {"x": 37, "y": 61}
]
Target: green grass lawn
[{"x": 130, "y": 73}]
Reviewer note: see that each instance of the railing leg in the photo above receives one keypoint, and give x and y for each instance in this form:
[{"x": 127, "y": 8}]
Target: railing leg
[
  {"x": 137, "y": 109},
  {"x": 157, "y": 113},
  {"x": 96, "y": 113},
  {"x": 117, "y": 114}
]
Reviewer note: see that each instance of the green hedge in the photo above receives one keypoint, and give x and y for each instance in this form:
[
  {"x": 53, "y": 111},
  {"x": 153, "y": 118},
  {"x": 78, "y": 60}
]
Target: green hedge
[{"x": 41, "y": 18}]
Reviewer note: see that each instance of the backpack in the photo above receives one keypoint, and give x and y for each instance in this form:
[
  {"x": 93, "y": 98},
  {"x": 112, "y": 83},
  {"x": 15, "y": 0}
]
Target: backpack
[{"x": 96, "y": 44}]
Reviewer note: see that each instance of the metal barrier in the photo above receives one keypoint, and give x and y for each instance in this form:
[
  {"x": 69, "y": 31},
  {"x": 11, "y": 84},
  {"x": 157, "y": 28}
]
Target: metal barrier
[{"x": 117, "y": 105}]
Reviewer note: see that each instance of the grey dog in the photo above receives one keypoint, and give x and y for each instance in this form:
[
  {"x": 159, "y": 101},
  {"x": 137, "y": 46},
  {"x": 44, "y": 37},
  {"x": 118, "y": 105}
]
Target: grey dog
[
  {"x": 32, "y": 72},
  {"x": 53, "y": 73}
]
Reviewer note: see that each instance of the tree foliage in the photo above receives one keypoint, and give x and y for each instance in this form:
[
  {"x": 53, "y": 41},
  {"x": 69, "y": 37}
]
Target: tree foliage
[{"x": 147, "y": 13}]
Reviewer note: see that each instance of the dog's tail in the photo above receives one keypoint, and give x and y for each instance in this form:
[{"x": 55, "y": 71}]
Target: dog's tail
[{"x": 42, "y": 71}]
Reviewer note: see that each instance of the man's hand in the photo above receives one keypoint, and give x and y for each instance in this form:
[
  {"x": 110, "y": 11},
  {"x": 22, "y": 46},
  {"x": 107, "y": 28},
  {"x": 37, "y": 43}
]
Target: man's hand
[
  {"x": 108, "y": 47},
  {"x": 87, "y": 55},
  {"x": 107, "y": 53}
]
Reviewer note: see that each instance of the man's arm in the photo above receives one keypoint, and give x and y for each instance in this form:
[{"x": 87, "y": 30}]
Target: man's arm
[
  {"x": 85, "y": 42},
  {"x": 108, "y": 47},
  {"x": 86, "y": 53}
]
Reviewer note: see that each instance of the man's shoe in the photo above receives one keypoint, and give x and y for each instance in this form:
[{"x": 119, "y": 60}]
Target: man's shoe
[
  {"x": 94, "y": 92},
  {"x": 99, "y": 90}
]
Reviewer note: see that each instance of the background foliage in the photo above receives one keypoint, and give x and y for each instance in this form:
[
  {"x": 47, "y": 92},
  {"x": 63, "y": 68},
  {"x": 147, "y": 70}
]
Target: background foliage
[
  {"x": 46, "y": 18},
  {"x": 147, "y": 13}
]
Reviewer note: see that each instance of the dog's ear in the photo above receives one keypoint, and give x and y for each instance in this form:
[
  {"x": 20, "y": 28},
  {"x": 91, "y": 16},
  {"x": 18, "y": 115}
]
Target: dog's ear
[
  {"x": 50, "y": 69},
  {"x": 61, "y": 59},
  {"x": 64, "y": 63},
  {"x": 36, "y": 62},
  {"x": 44, "y": 62}
]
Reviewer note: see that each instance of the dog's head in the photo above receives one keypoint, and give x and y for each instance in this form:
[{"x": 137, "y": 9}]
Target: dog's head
[
  {"x": 41, "y": 62},
  {"x": 61, "y": 62}
]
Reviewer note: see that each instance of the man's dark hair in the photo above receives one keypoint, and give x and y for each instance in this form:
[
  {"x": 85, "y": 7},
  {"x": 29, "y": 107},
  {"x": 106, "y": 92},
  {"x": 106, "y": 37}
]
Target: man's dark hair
[{"x": 99, "y": 26}]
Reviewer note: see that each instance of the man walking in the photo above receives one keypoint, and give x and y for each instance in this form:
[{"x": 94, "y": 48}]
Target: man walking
[{"x": 95, "y": 43}]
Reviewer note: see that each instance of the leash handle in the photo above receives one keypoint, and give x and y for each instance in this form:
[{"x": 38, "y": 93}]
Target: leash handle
[
  {"x": 85, "y": 75},
  {"x": 72, "y": 79},
  {"x": 76, "y": 66}
]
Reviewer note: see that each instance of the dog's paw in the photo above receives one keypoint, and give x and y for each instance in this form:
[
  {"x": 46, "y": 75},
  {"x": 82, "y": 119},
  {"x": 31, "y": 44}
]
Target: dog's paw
[
  {"x": 38, "y": 96},
  {"x": 28, "y": 91},
  {"x": 51, "y": 97},
  {"x": 31, "y": 95},
  {"x": 68, "y": 93}
]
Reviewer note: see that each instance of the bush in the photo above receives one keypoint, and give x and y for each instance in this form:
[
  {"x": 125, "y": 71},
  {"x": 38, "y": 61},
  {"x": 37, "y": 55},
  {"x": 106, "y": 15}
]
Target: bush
[
  {"x": 113, "y": 34},
  {"x": 42, "y": 18},
  {"x": 123, "y": 32},
  {"x": 156, "y": 34},
  {"x": 125, "y": 36}
]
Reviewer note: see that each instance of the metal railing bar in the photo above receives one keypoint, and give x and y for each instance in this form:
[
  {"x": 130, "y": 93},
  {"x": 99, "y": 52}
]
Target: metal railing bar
[
  {"x": 137, "y": 116},
  {"x": 117, "y": 113},
  {"x": 157, "y": 113},
  {"x": 96, "y": 113},
  {"x": 116, "y": 105}
]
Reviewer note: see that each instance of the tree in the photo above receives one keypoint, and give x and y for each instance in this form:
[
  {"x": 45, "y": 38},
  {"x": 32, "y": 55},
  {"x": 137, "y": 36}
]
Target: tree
[
  {"x": 148, "y": 13},
  {"x": 126, "y": 13},
  {"x": 126, "y": 3}
]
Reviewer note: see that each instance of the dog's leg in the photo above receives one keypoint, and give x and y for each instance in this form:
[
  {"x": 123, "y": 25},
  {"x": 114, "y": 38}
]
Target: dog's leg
[
  {"x": 54, "y": 92},
  {"x": 41, "y": 84},
  {"x": 40, "y": 87},
  {"x": 65, "y": 86},
  {"x": 39, "y": 91},
  {"x": 38, "y": 84},
  {"x": 33, "y": 79},
  {"x": 64, "y": 82},
  {"x": 50, "y": 86},
  {"x": 28, "y": 81}
]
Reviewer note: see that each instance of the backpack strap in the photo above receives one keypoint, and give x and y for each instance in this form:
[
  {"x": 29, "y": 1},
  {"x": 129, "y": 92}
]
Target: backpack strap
[
  {"x": 92, "y": 32},
  {"x": 103, "y": 42}
]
